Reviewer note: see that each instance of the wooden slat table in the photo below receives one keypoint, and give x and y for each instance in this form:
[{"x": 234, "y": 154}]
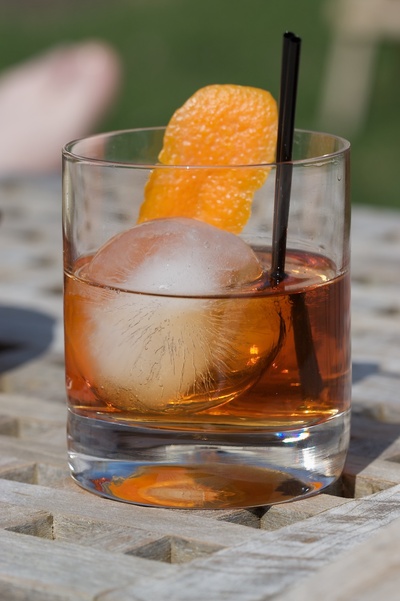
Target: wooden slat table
[{"x": 59, "y": 543}]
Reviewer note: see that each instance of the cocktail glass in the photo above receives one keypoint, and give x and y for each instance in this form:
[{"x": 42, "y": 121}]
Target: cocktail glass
[{"x": 192, "y": 380}]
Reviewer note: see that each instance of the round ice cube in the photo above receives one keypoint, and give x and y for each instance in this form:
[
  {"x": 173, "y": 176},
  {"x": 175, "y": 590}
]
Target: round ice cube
[{"x": 153, "y": 338}]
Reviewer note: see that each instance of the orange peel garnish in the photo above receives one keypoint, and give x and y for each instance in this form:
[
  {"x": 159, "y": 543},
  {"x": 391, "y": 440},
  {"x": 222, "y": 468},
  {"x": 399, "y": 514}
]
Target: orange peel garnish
[{"x": 220, "y": 126}]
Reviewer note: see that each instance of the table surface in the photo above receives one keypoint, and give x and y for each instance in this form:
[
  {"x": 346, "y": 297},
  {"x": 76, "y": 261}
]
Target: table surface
[{"x": 58, "y": 542}]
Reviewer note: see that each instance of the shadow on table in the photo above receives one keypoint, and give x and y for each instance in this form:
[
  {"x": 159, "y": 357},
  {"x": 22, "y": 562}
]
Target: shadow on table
[
  {"x": 363, "y": 370},
  {"x": 24, "y": 334},
  {"x": 373, "y": 431}
]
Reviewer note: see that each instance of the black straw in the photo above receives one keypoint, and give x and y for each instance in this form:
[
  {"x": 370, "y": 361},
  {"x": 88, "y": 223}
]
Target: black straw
[
  {"x": 310, "y": 377},
  {"x": 283, "y": 182}
]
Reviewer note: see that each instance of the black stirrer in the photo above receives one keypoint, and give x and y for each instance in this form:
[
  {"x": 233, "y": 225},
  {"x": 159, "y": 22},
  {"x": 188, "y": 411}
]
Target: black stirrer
[
  {"x": 310, "y": 377},
  {"x": 283, "y": 182}
]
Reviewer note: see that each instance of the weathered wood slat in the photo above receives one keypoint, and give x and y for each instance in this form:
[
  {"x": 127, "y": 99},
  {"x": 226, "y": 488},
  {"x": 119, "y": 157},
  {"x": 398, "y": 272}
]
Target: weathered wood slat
[
  {"x": 257, "y": 572},
  {"x": 35, "y": 568},
  {"x": 370, "y": 572},
  {"x": 259, "y": 568}
]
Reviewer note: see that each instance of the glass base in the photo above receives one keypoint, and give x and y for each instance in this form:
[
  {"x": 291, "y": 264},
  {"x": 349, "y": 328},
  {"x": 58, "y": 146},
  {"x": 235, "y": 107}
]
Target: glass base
[{"x": 210, "y": 469}]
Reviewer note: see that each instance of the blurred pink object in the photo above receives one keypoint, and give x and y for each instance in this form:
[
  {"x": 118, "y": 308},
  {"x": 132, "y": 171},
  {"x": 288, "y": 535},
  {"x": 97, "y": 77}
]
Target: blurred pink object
[{"x": 52, "y": 99}]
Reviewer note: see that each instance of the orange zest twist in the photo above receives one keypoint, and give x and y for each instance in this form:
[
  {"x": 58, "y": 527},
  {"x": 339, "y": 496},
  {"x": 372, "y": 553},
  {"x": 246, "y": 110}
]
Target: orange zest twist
[{"x": 219, "y": 126}]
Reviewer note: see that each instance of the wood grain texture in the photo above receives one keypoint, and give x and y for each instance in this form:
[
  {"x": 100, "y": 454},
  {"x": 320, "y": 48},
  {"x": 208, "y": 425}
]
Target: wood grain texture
[
  {"x": 370, "y": 572},
  {"x": 253, "y": 571}
]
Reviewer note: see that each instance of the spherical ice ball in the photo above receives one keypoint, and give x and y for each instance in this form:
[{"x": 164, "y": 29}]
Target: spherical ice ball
[{"x": 167, "y": 318}]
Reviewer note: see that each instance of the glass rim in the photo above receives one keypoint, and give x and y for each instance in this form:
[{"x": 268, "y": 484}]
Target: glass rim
[{"x": 68, "y": 153}]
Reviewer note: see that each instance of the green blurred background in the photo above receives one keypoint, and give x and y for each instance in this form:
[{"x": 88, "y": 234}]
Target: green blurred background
[{"x": 169, "y": 48}]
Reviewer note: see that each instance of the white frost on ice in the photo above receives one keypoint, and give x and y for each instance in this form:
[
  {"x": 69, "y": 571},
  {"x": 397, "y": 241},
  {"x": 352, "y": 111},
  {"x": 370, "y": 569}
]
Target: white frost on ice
[{"x": 175, "y": 256}]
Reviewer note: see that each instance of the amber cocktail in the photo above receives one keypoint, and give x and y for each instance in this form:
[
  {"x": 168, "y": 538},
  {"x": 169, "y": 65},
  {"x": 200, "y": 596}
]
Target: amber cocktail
[{"x": 192, "y": 379}]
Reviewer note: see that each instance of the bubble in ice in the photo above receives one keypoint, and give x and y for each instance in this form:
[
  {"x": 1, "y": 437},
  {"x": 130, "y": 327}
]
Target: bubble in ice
[{"x": 154, "y": 338}]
